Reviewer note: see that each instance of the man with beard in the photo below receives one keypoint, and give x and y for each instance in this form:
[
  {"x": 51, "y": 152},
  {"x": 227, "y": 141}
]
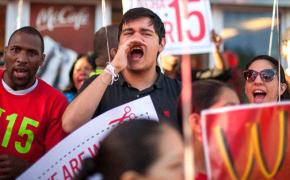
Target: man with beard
[
  {"x": 132, "y": 74},
  {"x": 30, "y": 109}
]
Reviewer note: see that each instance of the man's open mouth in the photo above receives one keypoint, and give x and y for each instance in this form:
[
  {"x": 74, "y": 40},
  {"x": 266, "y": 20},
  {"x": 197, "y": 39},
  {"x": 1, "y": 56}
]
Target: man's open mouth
[
  {"x": 136, "y": 53},
  {"x": 20, "y": 73}
]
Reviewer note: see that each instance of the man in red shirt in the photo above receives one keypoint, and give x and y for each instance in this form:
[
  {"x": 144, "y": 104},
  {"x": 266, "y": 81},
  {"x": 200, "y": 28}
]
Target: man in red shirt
[{"x": 30, "y": 109}]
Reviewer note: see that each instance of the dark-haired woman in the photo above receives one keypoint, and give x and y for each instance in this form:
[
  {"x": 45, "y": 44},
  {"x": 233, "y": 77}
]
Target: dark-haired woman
[
  {"x": 79, "y": 72},
  {"x": 262, "y": 80}
]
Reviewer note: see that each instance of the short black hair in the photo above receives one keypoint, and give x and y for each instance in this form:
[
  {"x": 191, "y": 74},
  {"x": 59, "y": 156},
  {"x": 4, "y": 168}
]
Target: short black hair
[
  {"x": 29, "y": 30},
  {"x": 100, "y": 40},
  {"x": 139, "y": 12},
  {"x": 133, "y": 145},
  {"x": 275, "y": 63},
  {"x": 100, "y": 43}
]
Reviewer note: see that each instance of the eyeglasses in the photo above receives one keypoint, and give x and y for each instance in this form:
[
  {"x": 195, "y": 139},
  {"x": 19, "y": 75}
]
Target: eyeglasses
[{"x": 266, "y": 75}]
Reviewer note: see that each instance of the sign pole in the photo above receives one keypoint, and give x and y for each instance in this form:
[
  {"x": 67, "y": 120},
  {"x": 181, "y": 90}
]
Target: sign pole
[{"x": 186, "y": 111}]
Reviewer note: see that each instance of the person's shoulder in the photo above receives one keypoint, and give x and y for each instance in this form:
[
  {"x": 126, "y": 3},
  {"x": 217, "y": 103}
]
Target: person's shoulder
[
  {"x": 173, "y": 84},
  {"x": 171, "y": 81},
  {"x": 44, "y": 85},
  {"x": 50, "y": 91}
]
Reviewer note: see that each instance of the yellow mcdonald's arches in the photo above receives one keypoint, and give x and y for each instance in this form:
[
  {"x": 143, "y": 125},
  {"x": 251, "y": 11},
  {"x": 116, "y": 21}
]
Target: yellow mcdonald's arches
[
  {"x": 255, "y": 150},
  {"x": 226, "y": 156}
]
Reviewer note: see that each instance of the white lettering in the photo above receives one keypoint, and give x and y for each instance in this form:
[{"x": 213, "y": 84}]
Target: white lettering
[{"x": 48, "y": 19}]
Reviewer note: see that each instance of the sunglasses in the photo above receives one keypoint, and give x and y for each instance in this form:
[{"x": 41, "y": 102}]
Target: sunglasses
[{"x": 266, "y": 75}]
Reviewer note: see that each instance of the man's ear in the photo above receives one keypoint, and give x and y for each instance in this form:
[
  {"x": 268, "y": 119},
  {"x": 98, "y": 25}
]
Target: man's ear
[
  {"x": 283, "y": 88},
  {"x": 194, "y": 121},
  {"x": 162, "y": 44},
  {"x": 131, "y": 175}
]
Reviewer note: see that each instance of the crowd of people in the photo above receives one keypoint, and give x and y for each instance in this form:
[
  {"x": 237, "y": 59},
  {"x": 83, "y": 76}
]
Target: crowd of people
[{"x": 34, "y": 116}]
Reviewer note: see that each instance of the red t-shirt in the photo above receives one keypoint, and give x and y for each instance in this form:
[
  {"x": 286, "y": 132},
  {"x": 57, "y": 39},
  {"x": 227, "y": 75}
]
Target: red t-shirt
[
  {"x": 200, "y": 176},
  {"x": 30, "y": 124}
]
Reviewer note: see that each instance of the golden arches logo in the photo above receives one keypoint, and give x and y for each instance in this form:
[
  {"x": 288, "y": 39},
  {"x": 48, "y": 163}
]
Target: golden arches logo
[{"x": 255, "y": 151}]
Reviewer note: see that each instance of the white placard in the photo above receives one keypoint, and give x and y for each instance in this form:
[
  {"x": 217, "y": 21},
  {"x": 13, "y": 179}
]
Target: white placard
[
  {"x": 187, "y": 23},
  {"x": 65, "y": 159}
]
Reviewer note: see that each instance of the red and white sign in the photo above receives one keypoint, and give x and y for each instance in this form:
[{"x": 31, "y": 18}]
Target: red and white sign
[
  {"x": 247, "y": 142},
  {"x": 187, "y": 23},
  {"x": 65, "y": 160}
]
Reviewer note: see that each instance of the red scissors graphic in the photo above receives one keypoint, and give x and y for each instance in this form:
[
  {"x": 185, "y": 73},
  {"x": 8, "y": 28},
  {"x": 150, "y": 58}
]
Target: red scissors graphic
[{"x": 126, "y": 115}]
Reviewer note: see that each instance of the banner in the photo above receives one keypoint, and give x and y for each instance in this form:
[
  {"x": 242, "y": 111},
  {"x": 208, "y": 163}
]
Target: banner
[
  {"x": 57, "y": 65},
  {"x": 65, "y": 160},
  {"x": 187, "y": 23},
  {"x": 247, "y": 142}
]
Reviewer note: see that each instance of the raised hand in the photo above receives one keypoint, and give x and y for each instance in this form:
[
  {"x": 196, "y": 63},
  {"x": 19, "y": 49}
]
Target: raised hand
[{"x": 120, "y": 60}]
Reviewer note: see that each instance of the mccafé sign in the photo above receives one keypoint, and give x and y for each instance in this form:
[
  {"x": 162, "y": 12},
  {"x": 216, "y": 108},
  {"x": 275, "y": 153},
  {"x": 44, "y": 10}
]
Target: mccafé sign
[
  {"x": 49, "y": 18},
  {"x": 63, "y": 21}
]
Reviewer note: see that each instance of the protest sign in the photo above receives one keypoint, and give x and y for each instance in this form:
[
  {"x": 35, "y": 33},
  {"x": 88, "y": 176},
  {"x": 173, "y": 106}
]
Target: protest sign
[
  {"x": 247, "y": 142},
  {"x": 65, "y": 160}
]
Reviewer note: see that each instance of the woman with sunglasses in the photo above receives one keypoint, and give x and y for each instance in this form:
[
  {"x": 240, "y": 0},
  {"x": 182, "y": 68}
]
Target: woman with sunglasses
[{"x": 262, "y": 80}]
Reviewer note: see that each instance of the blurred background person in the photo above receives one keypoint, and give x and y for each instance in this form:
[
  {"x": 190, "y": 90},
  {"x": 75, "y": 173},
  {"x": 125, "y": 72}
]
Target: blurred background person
[
  {"x": 206, "y": 94},
  {"x": 79, "y": 72},
  {"x": 262, "y": 80},
  {"x": 220, "y": 71},
  {"x": 101, "y": 47},
  {"x": 171, "y": 65},
  {"x": 139, "y": 149}
]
